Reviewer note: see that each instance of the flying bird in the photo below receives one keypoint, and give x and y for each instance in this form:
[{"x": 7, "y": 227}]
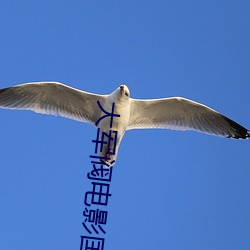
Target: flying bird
[{"x": 175, "y": 113}]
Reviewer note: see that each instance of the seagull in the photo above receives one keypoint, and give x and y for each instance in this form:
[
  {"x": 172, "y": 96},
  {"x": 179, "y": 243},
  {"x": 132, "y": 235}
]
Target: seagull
[{"x": 176, "y": 113}]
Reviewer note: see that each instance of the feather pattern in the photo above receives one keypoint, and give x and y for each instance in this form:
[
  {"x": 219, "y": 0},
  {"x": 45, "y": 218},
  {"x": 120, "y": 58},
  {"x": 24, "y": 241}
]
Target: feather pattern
[
  {"x": 53, "y": 98},
  {"x": 182, "y": 114}
]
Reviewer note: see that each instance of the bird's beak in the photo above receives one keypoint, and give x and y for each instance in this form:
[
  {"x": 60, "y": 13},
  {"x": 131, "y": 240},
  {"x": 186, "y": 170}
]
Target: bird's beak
[{"x": 122, "y": 88}]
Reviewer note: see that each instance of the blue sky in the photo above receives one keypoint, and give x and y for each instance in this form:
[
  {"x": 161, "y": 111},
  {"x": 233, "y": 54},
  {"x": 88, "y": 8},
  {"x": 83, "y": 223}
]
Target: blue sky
[{"x": 170, "y": 190}]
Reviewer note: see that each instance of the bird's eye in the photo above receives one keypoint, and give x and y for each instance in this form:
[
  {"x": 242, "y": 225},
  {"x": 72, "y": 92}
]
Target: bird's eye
[{"x": 126, "y": 93}]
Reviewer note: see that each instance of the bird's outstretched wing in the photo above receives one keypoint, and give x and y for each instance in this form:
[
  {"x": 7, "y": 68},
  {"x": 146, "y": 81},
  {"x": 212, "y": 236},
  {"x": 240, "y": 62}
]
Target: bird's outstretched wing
[
  {"x": 53, "y": 98},
  {"x": 182, "y": 114}
]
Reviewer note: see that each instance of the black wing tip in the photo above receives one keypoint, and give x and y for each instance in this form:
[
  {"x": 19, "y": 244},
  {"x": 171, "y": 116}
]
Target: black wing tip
[
  {"x": 239, "y": 136},
  {"x": 3, "y": 90},
  {"x": 248, "y": 134},
  {"x": 239, "y": 131}
]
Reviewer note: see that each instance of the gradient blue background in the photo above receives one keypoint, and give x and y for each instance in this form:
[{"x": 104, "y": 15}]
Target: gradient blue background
[{"x": 170, "y": 190}]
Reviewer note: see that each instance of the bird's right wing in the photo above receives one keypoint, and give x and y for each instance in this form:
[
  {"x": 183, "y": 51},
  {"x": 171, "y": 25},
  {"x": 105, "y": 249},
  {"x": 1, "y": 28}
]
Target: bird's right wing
[
  {"x": 182, "y": 114},
  {"x": 53, "y": 98}
]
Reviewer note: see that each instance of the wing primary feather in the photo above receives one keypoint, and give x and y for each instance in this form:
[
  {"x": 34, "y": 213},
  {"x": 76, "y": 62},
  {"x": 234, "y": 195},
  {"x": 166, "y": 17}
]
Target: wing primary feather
[
  {"x": 182, "y": 114},
  {"x": 53, "y": 98}
]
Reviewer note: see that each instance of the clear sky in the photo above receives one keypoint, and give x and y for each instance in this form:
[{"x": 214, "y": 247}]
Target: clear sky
[{"x": 170, "y": 190}]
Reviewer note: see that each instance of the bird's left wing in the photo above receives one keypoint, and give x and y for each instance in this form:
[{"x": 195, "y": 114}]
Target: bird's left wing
[
  {"x": 182, "y": 114},
  {"x": 53, "y": 98}
]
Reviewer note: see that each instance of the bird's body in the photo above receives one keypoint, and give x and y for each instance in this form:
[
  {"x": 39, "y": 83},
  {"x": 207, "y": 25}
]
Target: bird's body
[
  {"x": 119, "y": 124},
  {"x": 167, "y": 113}
]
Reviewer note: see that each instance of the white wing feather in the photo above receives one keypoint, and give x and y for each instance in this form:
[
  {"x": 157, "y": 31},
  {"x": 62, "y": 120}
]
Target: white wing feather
[
  {"x": 182, "y": 114},
  {"x": 53, "y": 98}
]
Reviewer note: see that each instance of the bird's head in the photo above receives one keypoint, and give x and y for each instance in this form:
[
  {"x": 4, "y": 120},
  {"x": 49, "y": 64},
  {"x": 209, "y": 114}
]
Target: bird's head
[
  {"x": 124, "y": 91},
  {"x": 121, "y": 93}
]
